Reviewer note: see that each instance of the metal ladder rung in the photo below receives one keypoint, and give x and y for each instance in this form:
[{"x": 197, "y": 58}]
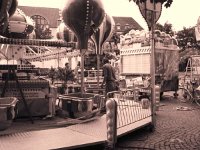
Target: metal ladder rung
[{"x": 191, "y": 70}]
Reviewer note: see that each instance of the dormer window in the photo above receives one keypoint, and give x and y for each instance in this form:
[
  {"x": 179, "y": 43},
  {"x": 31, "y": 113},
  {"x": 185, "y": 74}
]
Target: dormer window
[
  {"x": 118, "y": 26},
  {"x": 127, "y": 26}
]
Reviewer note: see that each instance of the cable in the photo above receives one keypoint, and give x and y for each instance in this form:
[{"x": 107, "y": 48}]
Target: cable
[
  {"x": 90, "y": 117},
  {"x": 135, "y": 147}
]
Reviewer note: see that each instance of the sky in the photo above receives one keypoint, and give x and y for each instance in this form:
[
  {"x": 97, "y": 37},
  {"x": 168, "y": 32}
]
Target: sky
[{"x": 182, "y": 13}]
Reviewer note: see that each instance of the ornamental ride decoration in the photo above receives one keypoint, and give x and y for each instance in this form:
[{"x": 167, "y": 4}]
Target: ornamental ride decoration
[
  {"x": 64, "y": 33},
  {"x": 103, "y": 33},
  {"x": 136, "y": 38},
  {"x": 83, "y": 17},
  {"x": 16, "y": 34},
  {"x": 7, "y": 9},
  {"x": 100, "y": 35},
  {"x": 19, "y": 26}
]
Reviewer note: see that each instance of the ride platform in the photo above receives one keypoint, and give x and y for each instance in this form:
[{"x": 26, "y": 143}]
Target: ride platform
[{"x": 71, "y": 137}]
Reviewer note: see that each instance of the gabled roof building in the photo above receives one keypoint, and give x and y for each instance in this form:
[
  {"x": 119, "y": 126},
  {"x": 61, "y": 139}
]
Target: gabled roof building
[
  {"x": 50, "y": 14},
  {"x": 51, "y": 17},
  {"x": 125, "y": 24}
]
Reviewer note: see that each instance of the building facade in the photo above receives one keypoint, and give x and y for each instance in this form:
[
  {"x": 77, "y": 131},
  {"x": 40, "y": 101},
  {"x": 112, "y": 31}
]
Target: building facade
[
  {"x": 50, "y": 18},
  {"x": 45, "y": 18}
]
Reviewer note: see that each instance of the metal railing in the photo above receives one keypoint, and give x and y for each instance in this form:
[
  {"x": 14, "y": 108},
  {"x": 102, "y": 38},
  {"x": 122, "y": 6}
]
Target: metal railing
[
  {"x": 123, "y": 109},
  {"x": 129, "y": 108}
]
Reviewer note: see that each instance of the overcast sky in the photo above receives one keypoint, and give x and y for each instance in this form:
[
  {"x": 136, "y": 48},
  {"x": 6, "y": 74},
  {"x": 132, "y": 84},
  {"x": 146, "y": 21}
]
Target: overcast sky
[{"x": 182, "y": 13}]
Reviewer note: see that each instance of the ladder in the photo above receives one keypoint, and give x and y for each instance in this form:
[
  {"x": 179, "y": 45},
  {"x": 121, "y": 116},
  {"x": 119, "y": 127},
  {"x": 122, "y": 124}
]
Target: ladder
[{"x": 191, "y": 71}]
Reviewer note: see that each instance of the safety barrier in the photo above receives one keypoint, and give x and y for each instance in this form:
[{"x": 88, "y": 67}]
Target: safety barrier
[{"x": 123, "y": 111}]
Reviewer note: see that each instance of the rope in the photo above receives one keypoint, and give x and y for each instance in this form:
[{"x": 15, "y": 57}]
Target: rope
[{"x": 87, "y": 118}]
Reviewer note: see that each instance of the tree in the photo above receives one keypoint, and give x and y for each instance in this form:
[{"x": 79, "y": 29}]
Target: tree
[
  {"x": 186, "y": 39},
  {"x": 167, "y": 28},
  {"x": 188, "y": 45},
  {"x": 115, "y": 38},
  {"x": 64, "y": 75},
  {"x": 167, "y": 3}
]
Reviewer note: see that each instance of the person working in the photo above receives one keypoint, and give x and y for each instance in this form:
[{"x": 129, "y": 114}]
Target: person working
[
  {"x": 109, "y": 78},
  {"x": 69, "y": 73}
]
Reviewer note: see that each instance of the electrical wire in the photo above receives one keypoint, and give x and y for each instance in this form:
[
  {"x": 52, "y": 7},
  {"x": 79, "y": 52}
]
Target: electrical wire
[{"x": 134, "y": 147}]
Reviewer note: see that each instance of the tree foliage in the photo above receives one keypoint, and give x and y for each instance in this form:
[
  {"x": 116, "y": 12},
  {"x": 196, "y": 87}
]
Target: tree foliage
[
  {"x": 186, "y": 39},
  {"x": 115, "y": 38},
  {"x": 188, "y": 45},
  {"x": 167, "y": 3},
  {"x": 167, "y": 28}
]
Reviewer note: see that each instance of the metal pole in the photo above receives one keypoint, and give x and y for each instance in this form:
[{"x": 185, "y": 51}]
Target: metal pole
[
  {"x": 98, "y": 67},
  {"x": 153, "y": 65},
  {"x": 82, "y": 70},
  {"x": 98, "y": 63},
  {"x": 58, "y": 59}
]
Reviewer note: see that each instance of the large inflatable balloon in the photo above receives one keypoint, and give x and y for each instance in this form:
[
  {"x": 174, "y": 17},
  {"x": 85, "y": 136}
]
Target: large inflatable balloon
[
  {"x": 7, "y": 9},
  {"x": 110, "y": 26},
  {"x": 64, "y": 33},
  {"x": 103, "y": 33},
  {"x": 82, "y": 17},
  {"x": 100, "y": 36},
  {"x": 19, "y": 26}
]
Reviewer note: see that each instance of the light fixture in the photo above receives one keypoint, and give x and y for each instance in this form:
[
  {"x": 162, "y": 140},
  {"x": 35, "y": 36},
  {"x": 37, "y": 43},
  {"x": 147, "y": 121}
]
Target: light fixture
[{"x": 151, "y": 11}]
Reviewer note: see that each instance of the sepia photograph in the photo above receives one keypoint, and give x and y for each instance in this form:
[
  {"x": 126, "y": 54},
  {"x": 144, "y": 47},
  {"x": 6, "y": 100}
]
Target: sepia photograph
[{"x": 99, "y": 75}]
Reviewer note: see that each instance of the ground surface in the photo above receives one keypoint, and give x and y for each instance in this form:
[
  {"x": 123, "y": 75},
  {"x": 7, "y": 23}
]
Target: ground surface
[{"x": 176, "y": 129}]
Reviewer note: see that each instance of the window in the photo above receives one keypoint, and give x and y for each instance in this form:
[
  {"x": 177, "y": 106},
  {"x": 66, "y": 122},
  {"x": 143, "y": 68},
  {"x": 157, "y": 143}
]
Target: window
[
  {"x": 39, "y": 21},
  {"x": 42, "y": 29},
  {"x": 118, "y": 26},
  {"x": 126, "y": 26}
]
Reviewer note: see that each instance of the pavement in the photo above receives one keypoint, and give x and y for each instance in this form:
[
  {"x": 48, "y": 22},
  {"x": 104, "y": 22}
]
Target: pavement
[{"x": 177, "y": 128}]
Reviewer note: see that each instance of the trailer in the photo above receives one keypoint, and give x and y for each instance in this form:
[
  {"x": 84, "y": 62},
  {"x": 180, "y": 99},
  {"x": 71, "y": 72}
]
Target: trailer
[{"x": 135, "y": 54}]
